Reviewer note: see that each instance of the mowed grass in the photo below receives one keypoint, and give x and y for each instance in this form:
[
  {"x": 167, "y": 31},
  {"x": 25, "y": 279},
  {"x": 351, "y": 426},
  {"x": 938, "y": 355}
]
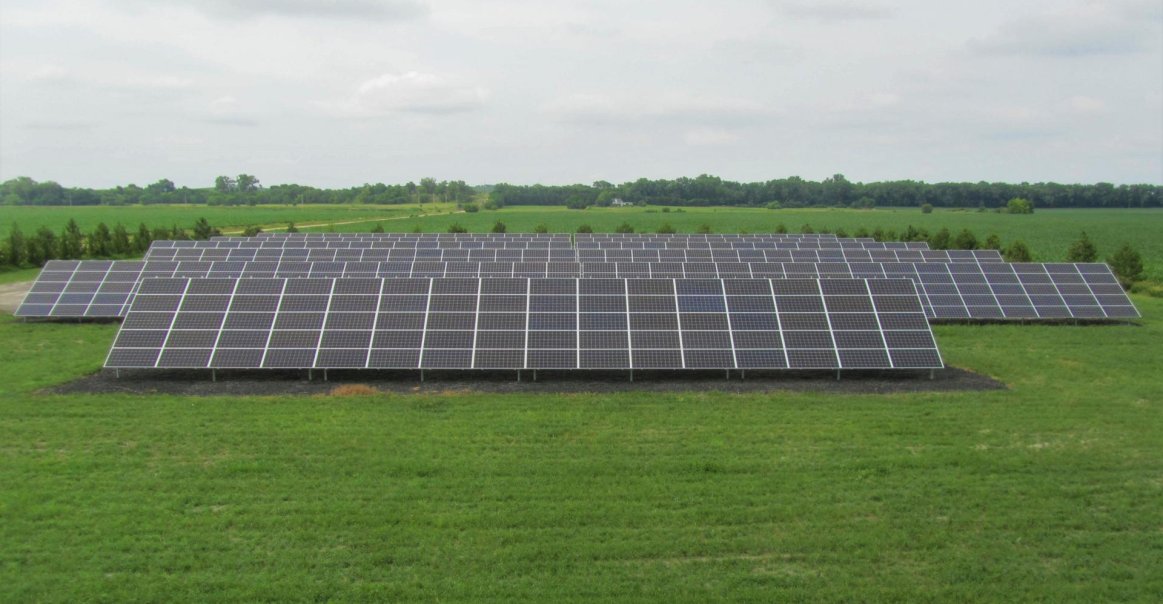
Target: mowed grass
[
  {"x": 30, "y": 218},
  {"x": 1046, "y": 491}
]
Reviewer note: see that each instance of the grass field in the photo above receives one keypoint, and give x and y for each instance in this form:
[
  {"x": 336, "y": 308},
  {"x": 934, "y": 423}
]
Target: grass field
[
  {"x": 30, "y": 218},
  {"x": 1047, "y": 232},
  {"x": 1047, "y": 491}
]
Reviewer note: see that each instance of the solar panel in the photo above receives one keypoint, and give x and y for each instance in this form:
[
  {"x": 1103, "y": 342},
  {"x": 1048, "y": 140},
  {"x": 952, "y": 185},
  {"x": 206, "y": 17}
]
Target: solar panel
[
  {"x": 98, "y": 289},
  {"x": 453, "y": 323}
]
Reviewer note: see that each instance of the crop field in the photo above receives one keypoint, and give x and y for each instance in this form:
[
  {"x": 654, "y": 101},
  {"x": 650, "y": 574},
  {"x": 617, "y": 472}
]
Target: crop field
[
  {"x": 226, "y": 218},
  {"x": 1048, "y": 232},
  {"x": 1047, "y": 490}
]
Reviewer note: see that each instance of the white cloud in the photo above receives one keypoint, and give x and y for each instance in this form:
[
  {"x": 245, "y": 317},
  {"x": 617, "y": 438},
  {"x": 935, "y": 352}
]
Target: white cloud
[
  {"x": 600, "y": 109},
  {"x": 409, "y": 92},
  {"x": 704, "y": 137},
  {"x": 342, "y": 9},
  {"x": 1087, "y": 31},
  {"x": 832, "y": 11}
]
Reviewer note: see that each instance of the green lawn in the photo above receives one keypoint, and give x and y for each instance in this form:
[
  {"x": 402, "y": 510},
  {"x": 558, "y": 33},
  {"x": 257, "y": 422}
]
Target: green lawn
[{"x": 1047, "y": 491}]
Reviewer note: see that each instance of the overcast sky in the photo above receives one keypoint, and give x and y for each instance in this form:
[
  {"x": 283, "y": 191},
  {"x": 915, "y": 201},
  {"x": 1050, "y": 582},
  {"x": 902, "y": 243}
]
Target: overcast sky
[{"x": 337, "y": 93}]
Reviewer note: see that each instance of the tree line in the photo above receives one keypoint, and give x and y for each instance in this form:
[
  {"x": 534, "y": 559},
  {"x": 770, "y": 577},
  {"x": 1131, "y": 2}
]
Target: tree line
[
  {"x": 835, "y": 191},
  {"x": 704, "y": 190},
  {"x": 71, "y": 243}
]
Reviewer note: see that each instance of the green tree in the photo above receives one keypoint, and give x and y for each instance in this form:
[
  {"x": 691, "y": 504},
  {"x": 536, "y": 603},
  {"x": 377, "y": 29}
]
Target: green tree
[
  {"x": 993, "y": 242},
  {"x": 251, "y": 230},
  {"x": 666, "y": 229},
  {"x": 456, "y": 228},
  {"x": 17, "y": 251},
  {"x": 499, "y": 227},
  {"x": 225, "y": 184},
  {"x": 203, "y": 230},
  {"x": 1082, "y": 250},
  {"x": 1020, "y": 205},
  {"x": 941, "y": 240},
  {"x": 291, "y": 228},
  {"x": 965, "y": 240},
  {"x": 72, "y": 242},
  {"x": 926, "y": 208},
  {"x": 143, "y": 238},
  {"x": 177, "y": 233},
  {"x": 624, "y": 228},
  {"x": 1127, "y": 265},
  {"x": 100, "y": 242},
  {"x": 119, "y": 244},
  {"x": 247, "y": 183},
  {"x": 585, "y": 228},
  {"x": 1018, "y": 251},
  {"x": 43, "y": 247}
]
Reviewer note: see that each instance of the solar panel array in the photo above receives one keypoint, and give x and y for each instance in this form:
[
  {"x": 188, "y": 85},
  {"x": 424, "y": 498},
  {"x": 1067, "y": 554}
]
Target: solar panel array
[
  {"x": 102, "y": 289},
  {"x": 526, "y": 324},
  {"x": 569, "y": 254},
  {"x": 543, "y": 301}
]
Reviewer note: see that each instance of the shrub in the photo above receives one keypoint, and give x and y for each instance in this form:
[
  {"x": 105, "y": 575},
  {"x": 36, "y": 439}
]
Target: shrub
[
  {"x": 251, "y": 230},
  {"x": 666, "y": 229},
  {"x": 807, "y": 229},
  {"x": 1082, "y": 250},
  {"x": 993, "y": 242},
  {"x": 965, "y": 240},
  {"x": 1020, "y": 205},
  {"x": 585, "y": 228},
  {"x": 291, "y": 228},
  {"x": 379, "y": 228},
  {"x": 541, "y": 228},
  {"x": 941, "y": 240},
  {"x": 1127, "y": 265},
  {"x": 1018, "y": 251},
  {"x": 926, "y": 208},
  {"x": 456, "y": 228},
  {"x": 471, "y": 208},
  {"x": 781, "y": 228},
  {"x": 624, "y": 228},
  {"x": 499, "y": 227},
  {"x": 704, "y": 229}
]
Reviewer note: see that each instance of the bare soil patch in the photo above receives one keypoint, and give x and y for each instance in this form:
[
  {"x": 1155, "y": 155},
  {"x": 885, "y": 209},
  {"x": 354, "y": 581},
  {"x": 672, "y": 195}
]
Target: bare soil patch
[{"x": 12, "y": 294}]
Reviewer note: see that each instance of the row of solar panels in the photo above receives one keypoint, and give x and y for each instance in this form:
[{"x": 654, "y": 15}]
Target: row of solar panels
[
  {"x": 1026, "y": 291},
  {"x": 545, "y": 244},
  {"x": 604, "y": 255},
  {"x": 532, "y": 236},
  {"x": 447, "y": 323}
]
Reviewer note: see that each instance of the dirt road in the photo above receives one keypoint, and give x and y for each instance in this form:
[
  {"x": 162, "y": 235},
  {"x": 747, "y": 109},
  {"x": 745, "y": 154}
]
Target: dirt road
[{"x": 12, "y": 294}]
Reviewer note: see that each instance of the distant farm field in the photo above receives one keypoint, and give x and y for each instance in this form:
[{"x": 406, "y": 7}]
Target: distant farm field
[
  {"x": 1048, "y": 232},
  {"x": 30, "y": 218},
  {"x": 1048, "y": 490}
]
